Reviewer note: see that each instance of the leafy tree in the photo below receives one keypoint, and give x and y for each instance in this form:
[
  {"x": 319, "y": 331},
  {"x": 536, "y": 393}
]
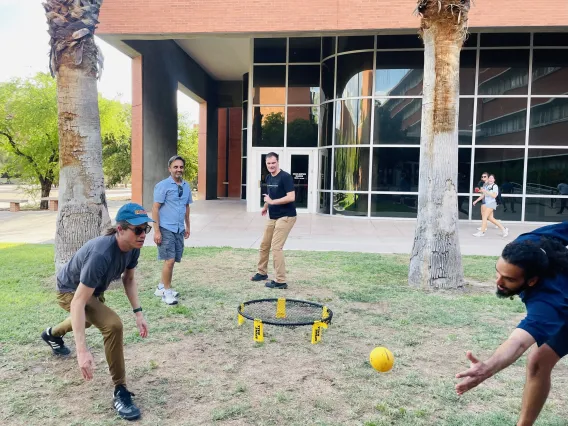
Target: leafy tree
[
  {"x": 28, "y": 130},
  {"x": 116, "y": 124},
  {"x": 29, "y": 141},
  {"x": 273, "y": 129},
  {"x": 188, "y": 148}
]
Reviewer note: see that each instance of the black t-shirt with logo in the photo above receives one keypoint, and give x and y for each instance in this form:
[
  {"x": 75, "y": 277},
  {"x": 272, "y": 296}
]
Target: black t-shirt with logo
[{"x": 278, "y": 186}]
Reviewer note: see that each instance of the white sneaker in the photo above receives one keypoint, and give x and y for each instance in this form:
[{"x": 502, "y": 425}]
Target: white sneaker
[
  {"x": 160, "y": 292},
  {"x": 479, "y": 234},
  {"x": 169, "y": 297},
  {"x": 505, "y": 232}
]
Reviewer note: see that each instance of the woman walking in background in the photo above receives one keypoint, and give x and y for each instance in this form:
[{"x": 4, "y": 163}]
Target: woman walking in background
[{"x": 489, "y": 195}]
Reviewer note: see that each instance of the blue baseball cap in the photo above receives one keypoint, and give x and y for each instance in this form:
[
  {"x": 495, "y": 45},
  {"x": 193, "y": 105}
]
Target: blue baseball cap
[{"x": 133, "y": 213}]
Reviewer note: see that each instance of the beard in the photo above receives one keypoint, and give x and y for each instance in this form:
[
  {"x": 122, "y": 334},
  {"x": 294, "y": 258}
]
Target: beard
[{"x": 511, "y": 293}]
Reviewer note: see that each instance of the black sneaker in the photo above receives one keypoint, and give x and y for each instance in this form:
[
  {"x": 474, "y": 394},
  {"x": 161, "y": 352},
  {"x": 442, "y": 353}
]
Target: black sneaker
[
  {"x": 123, "y": 403},
  {"x": 258, "y": 277},
  {"x": 56, "y": 344},
  {"x": 274, "y": 284}
]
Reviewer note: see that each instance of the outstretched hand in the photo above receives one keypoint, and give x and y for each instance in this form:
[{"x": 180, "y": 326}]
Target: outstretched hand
[
  {"x": 142, "y": 326},
  {"x": 86, "y": 364},
  {"x": 474, "y": 375}
]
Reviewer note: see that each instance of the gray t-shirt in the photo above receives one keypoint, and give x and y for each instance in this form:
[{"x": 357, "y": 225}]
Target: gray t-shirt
[{"x": 99, "y": 262}]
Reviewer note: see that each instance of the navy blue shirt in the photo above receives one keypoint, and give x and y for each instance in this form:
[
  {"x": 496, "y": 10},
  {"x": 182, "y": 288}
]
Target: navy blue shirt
[
  {"x": 278, "y": 187},
  {"x": 547, "y": 301}
]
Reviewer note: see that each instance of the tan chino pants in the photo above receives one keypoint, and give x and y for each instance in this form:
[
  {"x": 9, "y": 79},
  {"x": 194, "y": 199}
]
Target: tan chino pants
[{"x": 275, "y": 234}]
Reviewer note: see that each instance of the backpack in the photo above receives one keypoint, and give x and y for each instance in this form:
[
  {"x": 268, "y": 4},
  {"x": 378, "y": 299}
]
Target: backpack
[{"x": 498, "y": 199}]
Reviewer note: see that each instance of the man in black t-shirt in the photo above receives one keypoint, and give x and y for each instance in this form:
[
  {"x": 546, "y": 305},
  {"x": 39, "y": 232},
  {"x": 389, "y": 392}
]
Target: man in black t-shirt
[
  {"x": 81, "y": 284},
  {"x": 279, "y": 203}
]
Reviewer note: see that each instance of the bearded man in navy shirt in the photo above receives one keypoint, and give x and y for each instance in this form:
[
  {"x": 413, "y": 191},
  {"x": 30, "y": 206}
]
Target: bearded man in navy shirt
[{"x": 535, "y": 267}]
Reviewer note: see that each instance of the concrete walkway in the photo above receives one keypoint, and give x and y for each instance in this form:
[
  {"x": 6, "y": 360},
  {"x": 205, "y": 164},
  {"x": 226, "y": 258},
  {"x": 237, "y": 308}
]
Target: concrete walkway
[{"x": 226, "y": 223}]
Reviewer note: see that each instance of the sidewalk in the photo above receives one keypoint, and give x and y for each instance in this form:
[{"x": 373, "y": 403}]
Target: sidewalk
[{"x": 223, "y": 223}]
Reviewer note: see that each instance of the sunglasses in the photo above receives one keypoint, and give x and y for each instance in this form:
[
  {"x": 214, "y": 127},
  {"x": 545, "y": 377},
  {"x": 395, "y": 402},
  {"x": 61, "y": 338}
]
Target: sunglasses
[
  {"x": 180, "y": 191},
  {"x": 138, "y": 230}
]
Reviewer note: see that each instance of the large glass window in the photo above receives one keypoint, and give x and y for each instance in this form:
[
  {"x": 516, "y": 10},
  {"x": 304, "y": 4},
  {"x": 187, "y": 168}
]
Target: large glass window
[
  {"x": 395, "y": 169},
  {"x": 549, "y": 121},
  {"x": 550, "y": 72},
  {"x": 327, "y": 79},
  {"x": 398, "y": 121},
  {"x": 545, "y": 209},
  {"x": 348, "y": 44},
  {"x": 506, "y": 164},
  {"x": 353, "y": 122},
  {"x": 302, "y": 127},
  {"x": 351, "y": 169},
  {"x": 305, "y": 49},
  {"x": 399, "y": 73},
  {"x": 269, "y": 83},
  {"x": 268, "y": 126},
  {"x": 501, "y": 121},
  {"x": 324, "y": 181},
  {"x": 326, "y": 124},
  {"x": 327, "y": 47},
  {"x": 546, "y": 169},
  {"x": 355, "y": 75},
  {"x": 503, "y": 72},
  {"x": 324, "y": 202},
  {"x": 350, "y": 204},
  {"x": 396, "y": 205},
  {"x": 269, "y": 50},
  {"x": 303, "y": 84}
]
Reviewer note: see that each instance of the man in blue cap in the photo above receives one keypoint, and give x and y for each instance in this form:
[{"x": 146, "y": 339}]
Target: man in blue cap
[{"x": 81, "y": 284}]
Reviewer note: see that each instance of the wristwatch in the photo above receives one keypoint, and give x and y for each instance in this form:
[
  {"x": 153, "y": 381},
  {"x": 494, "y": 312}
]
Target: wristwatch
[{"x": 137, "y": 310}]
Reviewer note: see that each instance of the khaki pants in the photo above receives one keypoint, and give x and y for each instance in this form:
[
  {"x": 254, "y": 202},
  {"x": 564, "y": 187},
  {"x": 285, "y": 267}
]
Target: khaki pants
[
  {"x": 275, "y": 234},
  {"x": 110, "y": 325}
]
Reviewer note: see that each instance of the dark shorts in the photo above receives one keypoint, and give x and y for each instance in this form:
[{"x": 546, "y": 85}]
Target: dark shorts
[
  {"x": 172, "y": 245},
  {"x": 559, "y": 342}
]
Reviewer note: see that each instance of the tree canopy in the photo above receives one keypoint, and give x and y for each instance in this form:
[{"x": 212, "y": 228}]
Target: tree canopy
[{"x": 29, "y": 142}]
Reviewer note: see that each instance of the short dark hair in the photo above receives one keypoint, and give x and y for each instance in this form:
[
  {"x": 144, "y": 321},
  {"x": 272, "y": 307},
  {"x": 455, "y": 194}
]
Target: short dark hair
[
  {"x": 272, "y": 154},
  {"x": 114, "y": 229},
  {"x": 544, "y": 258},
  {"x": 485, "y": 173},
  {"x": 175, "y": 158}
]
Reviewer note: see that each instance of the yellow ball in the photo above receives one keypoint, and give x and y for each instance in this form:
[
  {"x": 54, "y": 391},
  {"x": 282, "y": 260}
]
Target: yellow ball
[{"x": 381, "y": 359}]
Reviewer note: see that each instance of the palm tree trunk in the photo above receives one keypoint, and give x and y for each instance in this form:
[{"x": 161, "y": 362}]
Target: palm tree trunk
[
  {"x": 436, "y": 257},
  {"x": 83, "y": 212}
]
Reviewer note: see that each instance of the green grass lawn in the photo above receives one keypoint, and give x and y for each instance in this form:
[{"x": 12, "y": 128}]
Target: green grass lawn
[{"x": 199, "y": 368}]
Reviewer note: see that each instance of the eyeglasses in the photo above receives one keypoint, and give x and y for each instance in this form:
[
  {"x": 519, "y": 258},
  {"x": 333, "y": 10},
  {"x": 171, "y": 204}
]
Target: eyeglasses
[
  {"x": 484, "y": 177},
  {"x": 180, "y": 191},
  {"x": 138, "y": 230}
]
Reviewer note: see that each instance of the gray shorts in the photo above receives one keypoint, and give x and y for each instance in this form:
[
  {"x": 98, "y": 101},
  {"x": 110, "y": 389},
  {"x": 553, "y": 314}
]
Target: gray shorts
[{"x": 172, "y": 245}]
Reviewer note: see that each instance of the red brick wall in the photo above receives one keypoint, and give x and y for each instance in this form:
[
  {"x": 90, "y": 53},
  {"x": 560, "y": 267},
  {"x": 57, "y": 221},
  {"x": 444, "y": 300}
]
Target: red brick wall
[{"x": 249, "y": 16}]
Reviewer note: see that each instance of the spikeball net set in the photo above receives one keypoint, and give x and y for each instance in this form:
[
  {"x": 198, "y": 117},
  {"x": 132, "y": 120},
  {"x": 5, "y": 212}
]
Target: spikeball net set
[{"x": 285, "y": 313}]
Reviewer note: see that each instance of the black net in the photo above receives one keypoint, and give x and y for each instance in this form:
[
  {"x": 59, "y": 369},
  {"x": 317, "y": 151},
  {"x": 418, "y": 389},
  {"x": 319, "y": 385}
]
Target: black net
[{"x": 285, "y": 312}]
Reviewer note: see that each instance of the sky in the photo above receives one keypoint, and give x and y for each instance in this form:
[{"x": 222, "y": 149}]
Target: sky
[{"x": 24, "y": 51}]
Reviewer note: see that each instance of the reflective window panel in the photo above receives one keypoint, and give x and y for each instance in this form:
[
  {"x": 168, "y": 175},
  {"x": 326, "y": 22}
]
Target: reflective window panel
[
  {"x": 545, "y": 209},
  {"x": 465, "y": 121},
  {"x": 353, "y": 122},
  {"x": 411, "y": 41},
  {"x": 327, "y": 79},
  {"x": 399, "y": 73},
  {"x": 324, "y": 202},
  {"x": 328, "y": 47},
  {"x": 351, "y": 171},
  {"x": 355, "y": 75},
  {"x": 468, "y": 60},
  {"x": 245, "y": 86},
  {"x": 398, "y": 121},
  {"x": 546, "y": 169},
  {"x": 302, "y": 127},
  {"x": 347, "y": 44},
  {"x": 326, "y": 124},
  {"x": 303, "y": 85},
  {"x": 395, "y": 205},
  {"x": 505, "y": 39},
  {"x": 464, "y": 205},
  {"x": 549, "y": 121},
  {"x": 395, "y": 169},
  {"x": 268, "y": 126},
  {"x": 244, "y": 143},
  {"x": 269, "y": 85},
  {"x": 245, "y": 115},
  {"x": 349, "y": 204},
  {"x": 551, "y": 39},
  {"x": 503, "y": 72},
  {"x": 269, "y": 50},
  {"x": 550, "y": 72},
  {"x": 324, "y": 181},
  {"x": 305, "y": 49},
  {"x": 506, "y": 164},
  {"x": 501, "y": 121},
  {"x": 244, "y": 172},
  {"x": 300, "y": 171},
  {"x": 510, "y": 210}
]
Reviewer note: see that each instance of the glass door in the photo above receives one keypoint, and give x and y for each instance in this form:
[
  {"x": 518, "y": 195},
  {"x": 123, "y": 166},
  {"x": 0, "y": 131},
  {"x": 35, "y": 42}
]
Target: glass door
[{"x": 300, "y": 166}]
